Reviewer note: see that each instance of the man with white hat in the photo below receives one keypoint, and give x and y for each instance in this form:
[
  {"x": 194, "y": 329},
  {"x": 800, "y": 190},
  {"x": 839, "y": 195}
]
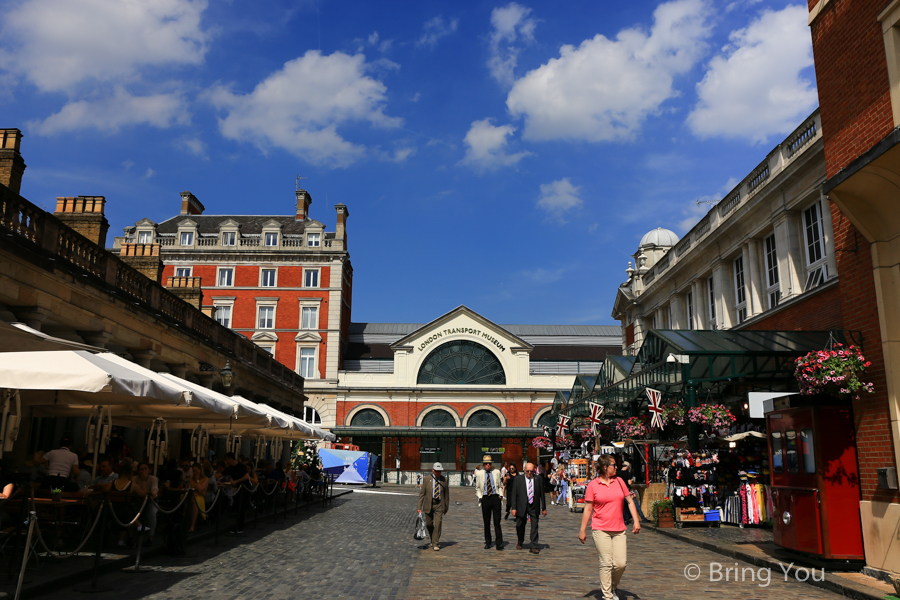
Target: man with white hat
[
  {"x": 434, "y": 502},
  {"x": 489, "y": 491}
]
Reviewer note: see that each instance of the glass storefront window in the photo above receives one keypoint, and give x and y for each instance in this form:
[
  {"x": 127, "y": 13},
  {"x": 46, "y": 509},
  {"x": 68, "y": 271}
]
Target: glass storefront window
[
  {"x": 791, "y": 459},
  {"x": 777, "y": 453},
  {"x": 808, "y": 449}
]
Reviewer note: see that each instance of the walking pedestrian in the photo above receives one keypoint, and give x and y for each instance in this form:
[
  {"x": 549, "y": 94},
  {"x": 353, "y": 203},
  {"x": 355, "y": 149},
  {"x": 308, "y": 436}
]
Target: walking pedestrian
[
  {"x": 489, "y": 491},
  {"x": 434, "y": 503},
  {"x": 603, "y": 508},
  {"x": 511, "y": 474},
  {"x": 528, "y": 503},
  {"x": 626, "y": 475},
  {"x": 563, "y": 479}
]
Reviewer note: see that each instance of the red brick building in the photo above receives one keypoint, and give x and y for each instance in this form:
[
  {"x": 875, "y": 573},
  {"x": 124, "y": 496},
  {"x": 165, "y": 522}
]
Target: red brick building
[
  {"x": 282, "y": 281},
  {"x": 856, "y": 46}
]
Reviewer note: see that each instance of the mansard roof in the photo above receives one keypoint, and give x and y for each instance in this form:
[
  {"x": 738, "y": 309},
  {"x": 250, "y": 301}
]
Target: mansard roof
[{"x": 250, "y": 224}]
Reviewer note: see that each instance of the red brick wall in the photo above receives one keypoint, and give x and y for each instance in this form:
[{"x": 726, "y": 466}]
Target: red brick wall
[
  {"x": 820, "y": 313},
  {"x": 852, "y": 78},
  {"x": 287, "y": 312},
  {"x": 859, "y": 306},
  {"x": 406, "y": 414}
]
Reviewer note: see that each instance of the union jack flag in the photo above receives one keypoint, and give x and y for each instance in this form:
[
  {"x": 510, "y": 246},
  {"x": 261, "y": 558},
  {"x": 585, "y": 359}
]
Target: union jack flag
[
  {"x": 655, "y": 408},
  {"x": 546, "y": 431},
  {"x": 596, "y": 411},
  {"x": 562, "y": 425}
]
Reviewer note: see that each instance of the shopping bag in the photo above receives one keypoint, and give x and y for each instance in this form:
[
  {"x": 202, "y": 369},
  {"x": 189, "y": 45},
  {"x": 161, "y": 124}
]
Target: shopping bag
[{"x": 421, "y": 533}]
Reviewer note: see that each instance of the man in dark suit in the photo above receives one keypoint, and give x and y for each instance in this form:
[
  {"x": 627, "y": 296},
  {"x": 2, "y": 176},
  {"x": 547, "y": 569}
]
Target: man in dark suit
[
  {"x": 527, "y": 500},
  {"x": 434, "y": 502}
]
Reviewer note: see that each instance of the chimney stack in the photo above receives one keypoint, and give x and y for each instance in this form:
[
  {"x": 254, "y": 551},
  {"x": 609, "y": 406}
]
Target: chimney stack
[
  {"x": 190, "y": 205},
  {"x": 84, "y": 214},
  {"x": 303, "y": 202},
  {"x": 340, "y": 232},
  {"x": 12, "y": 165}
]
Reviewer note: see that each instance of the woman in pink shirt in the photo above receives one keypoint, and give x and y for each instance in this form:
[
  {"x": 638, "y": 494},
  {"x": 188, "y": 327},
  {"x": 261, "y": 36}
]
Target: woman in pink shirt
[{"x": 603, "y": 506}]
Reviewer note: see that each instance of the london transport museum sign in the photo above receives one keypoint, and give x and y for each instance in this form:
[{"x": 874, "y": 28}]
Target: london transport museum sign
[{"x": 467, "y": 330}]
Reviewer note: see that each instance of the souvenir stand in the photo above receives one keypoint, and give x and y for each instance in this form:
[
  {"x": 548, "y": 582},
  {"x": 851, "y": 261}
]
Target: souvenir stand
[{"x": 747, "y": 498}]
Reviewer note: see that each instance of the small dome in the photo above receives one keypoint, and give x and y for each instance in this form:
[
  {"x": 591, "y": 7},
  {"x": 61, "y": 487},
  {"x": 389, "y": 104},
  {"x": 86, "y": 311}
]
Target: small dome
[{"x": 659, "y": 237}]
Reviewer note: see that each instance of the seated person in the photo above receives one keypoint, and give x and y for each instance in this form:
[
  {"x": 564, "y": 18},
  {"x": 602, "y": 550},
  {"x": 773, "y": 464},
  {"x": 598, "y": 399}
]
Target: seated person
[
  {"x": 144, "y": 483},
  {"x": 277, "y": 473},
  {"x": 104, "y": 480}
]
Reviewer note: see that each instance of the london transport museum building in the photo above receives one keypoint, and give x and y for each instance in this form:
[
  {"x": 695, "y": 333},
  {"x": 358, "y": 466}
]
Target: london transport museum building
[{"x": 802, "y": 254}]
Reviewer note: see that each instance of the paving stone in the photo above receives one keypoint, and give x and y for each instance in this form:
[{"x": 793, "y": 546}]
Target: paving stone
[{"x": 361, "y": 547}]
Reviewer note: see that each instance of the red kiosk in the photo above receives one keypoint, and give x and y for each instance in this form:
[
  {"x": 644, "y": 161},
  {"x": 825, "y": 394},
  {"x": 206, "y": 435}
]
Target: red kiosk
[{"x": 815, "y": 478}]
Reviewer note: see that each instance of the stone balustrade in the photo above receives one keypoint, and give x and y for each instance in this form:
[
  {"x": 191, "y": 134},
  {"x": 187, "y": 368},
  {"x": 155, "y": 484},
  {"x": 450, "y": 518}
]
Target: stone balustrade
[
  {"x": 43, "y": 235},
  {"x": 798, "y": 142}
]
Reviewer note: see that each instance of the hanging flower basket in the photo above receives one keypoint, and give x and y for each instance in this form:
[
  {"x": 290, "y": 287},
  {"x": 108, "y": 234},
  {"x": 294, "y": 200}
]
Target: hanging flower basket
[
  {"x": 565, "y": 442},
  {"x": 631, "y": 428},
  {"x": 711, "y": 416},
  {"x": 674, "y": 414},
  {"x": 541, "y": 442},
  {"x": 833, "y": 372}
]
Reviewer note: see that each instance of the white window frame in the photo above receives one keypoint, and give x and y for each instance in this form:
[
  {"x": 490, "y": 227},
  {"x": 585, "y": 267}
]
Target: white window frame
[
  {"x": 186, "y": 235},
  {"x": 266, "y": 239},
  {"x": 260, "y": 306},
  {"x": 311, "y": 415},
  {"x": 711, "y": 301},
  {"x": 689, "y": 308},
  {"x": 313, "y": 371},
  {"x": 773, "y": 277},
  {"x": 229, "y": 305},
  {"x": 315, "y": 321},
  {"x": 145, "y": 237},
  {"x": 179, "y": 271},
  {"x": 262, "y": 281},
  {"x": 816, "y": 268},
  {"x": 229, "y": 238},
  {"x": 318, "y": 276},
  {"x": 267, "y": 346},
  {"x": 220, "y": 271},
  {"x": 740, "y": 289},
  {"x": 313, "y": 240}
]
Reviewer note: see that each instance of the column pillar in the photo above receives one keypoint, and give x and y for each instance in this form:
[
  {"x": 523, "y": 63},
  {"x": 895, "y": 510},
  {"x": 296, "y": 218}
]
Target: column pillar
[
  {"x": 828, "y": 230},
  {"x": 724, "y": 294},
  {"x": 752, "y": 274},
  {"x": 790, "y": 255},
  {"x": 144, "y": 357},
  {"x": 679, "y": 312}
]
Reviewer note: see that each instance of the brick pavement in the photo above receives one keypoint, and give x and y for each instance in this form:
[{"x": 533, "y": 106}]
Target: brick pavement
[{"x": 361, "y": 547}]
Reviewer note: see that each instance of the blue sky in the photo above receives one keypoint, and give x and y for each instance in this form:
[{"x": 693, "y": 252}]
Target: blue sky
[{"x": 504, "y": 155}]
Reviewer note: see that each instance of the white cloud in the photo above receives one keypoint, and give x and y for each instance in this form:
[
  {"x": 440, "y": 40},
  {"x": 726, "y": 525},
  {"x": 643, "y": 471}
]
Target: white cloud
[
  {"x": 300, "y": 107},
  {"x": 150, "y": 173},
  {"x": 120, "y": 110},
  {"x": 486, "y": 146},
  {"x": 697, "y": 209},
  {"x": 435, "y": 29},
  {"x": 511, "y": 24},
  {"x": 558, "y": 198},
  {"x": 57, "y": 44},
  {"x": 128, "y": 164},
  {"x": 194, "y": 145},
  {"x": 604, "y": 89},
  {"x": 754, "y": 89}
]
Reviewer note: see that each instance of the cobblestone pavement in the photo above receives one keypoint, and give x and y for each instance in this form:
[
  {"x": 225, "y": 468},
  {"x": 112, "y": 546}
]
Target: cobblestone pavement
[{"x": 361, "y": 547}]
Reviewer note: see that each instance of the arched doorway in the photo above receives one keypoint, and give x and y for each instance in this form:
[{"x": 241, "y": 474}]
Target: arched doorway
[{"x": 438, "y": 448}]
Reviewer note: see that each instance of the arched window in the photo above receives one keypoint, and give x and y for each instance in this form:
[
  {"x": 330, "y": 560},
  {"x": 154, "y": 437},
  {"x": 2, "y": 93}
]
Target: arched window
[
  {"x": 484, "y": 418},
  {"x": 547, "y": 420},
  {"x": 439, "y": 418},
  {"x": 367, "y": 417},
  {"x": 461, "y": 363},
  {"x": 311, "y": 415}
]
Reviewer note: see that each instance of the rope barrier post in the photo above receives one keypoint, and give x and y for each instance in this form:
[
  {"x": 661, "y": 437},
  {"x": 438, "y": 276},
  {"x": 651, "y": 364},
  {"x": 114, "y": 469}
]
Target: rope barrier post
[
  {"x": 255, "y": 506},
  {"x": 31, "y": 518},
  {"x": 275, "y": 505},
  {"x": 93, "y": 587},
  {"x": 216, "y": 514},
  {"x": 137, "y": 560}
]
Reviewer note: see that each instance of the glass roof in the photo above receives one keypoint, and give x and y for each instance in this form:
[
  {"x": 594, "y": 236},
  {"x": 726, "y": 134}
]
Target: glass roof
[{"x": 669, "y": 358}]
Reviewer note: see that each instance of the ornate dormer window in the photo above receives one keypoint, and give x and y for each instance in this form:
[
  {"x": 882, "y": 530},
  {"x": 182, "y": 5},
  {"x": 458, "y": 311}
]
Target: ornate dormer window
[
  {"x": 187, "y": 233},
  {"x": 271, "y": 234},
  {"x": 229, "y": 233}
]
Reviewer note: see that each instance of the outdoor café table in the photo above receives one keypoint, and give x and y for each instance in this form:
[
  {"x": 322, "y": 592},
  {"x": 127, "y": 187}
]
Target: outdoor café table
[{"x": 49, "y": 511}]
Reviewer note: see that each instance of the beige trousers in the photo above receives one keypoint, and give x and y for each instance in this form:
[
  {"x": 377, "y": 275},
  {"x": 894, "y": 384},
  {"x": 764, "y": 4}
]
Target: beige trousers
[
  {"x": 613, "y": 557},
  {"x": 433, "y": 522}
]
